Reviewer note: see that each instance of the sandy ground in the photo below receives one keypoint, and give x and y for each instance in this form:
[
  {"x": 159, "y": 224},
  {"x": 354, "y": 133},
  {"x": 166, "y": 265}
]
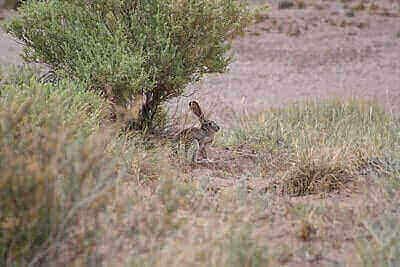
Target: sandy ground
[
  {"x": 301, "y": 53},
  {"x": 9, "y": 51},
  {"x": 9, "y": 48}
]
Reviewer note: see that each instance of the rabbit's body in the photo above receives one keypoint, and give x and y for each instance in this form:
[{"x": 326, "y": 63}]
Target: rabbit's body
[{"x": 201, "y": 137}]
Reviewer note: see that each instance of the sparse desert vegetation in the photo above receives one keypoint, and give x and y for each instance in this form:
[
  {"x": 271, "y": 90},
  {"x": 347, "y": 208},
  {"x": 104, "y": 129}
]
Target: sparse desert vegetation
[
  {"x": 306, "y": 182},
  {"x": 312, "y": 182}
]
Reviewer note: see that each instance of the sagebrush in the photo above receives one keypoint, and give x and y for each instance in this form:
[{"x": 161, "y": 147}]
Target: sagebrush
[{"x": 126, "y": 48}]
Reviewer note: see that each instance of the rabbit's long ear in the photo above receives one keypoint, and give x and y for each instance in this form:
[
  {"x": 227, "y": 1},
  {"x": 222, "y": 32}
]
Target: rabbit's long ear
[{"x": 195, "y": 107}]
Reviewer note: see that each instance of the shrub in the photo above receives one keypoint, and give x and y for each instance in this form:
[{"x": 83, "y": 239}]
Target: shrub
[
  {"x": 66, "y": 101},
  {"x": 53, "y": 169},
  {"x": 126, "y": 48}
]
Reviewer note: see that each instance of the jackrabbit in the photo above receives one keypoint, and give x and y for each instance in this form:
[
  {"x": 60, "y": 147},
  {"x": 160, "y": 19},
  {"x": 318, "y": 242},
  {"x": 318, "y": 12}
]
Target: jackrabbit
[{"x": 200, "y": 137}]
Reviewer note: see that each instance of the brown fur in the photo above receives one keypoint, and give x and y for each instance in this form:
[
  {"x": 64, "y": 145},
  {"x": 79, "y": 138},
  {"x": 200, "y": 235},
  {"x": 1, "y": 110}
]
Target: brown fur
[{"x": 202, "y": 136}]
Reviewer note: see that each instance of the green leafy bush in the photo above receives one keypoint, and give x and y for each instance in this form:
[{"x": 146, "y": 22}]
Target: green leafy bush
[{"x": 126, "y": 48}]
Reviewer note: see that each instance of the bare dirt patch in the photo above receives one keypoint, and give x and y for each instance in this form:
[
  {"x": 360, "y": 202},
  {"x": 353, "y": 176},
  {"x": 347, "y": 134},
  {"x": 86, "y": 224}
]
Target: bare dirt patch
[{"x": 327, "y": 48}]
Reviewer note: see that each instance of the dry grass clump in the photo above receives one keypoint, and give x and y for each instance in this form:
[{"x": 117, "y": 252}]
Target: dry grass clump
[
  {"x": 317, "y": 147},
  {"x": 53, "y": 170},
  {"x": 62, "y": 173},
  {"x": 301, "y": 4},
  {"x": 285, "y": 4},
  {"x": 144, "y": 160},
  {"x": 306, "y": 230},
  {"x": 320, "y": 170}
]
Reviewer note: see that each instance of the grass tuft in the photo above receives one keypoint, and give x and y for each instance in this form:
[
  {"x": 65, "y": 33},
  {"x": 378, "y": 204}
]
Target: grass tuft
[{"x": 315, "y": 147}]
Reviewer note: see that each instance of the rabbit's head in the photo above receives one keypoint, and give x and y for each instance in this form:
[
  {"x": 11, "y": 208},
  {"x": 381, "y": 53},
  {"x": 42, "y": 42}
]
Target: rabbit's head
[{"x": 208, "y": 126}]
